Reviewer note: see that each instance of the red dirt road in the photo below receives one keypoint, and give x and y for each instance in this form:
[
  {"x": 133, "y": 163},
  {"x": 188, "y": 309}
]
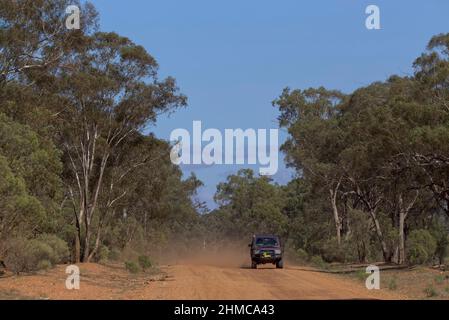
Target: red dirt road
[
  {"x": 189, "y": 281},
  {"x": 211, "y": 282}
]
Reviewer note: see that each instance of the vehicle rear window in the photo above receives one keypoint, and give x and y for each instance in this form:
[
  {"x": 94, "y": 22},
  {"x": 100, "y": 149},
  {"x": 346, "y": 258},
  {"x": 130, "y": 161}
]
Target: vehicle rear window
[{"x": 267, "y": 241}]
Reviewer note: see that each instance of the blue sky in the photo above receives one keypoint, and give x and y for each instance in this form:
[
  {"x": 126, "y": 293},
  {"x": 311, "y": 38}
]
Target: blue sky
[{"x": 232, "y": 58}]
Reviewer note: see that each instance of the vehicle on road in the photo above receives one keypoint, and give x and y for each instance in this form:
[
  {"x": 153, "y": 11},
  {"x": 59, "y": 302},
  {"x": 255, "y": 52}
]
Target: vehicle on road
[{"x": 266, "y": 249}]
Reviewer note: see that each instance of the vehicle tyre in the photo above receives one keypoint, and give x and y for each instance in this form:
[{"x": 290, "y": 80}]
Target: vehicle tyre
[
  {"x": 253, "y": 265},
  {"x": 280, "y": 264}
]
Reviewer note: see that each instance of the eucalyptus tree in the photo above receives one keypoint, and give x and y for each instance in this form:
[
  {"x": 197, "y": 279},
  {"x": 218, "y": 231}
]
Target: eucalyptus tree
[
  {"x": 311, "y": 118},
  {"x": 34, "y": 38},
  {"x": 430, "y": 136},
  {"x": 110, "y": 93},
  {"x": 30, "y": 184},
  {"x": 251, "y": 204}
]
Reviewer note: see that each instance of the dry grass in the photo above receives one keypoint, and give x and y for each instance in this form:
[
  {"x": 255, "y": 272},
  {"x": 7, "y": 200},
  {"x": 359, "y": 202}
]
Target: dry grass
[{"x": 416, "y": 283}]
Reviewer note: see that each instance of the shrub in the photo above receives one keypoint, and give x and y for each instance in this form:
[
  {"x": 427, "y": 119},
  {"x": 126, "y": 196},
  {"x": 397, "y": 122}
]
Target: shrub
[
  {"x": 60, "y": 248},
  {"x": 317, "y": 261},
  {"x": 103, "y": 254},
  {"x": 430, "y": 291},
  {"x": 38, "y": 251},
  {"x": 302, "y": 255},
  {"x": 14, "y": 258},
  {"x": 361, "y": 275},
  {"x": 421, "y": 246},
  {"x": 439, "y": 279},
  {"x": 131, "y": 266},
  {"x": 24, "y": 255},
  {"x": 44, "y": 265},
  {"x": 145, "y": 262},
  {"x": 114, "y": 254},
  {"x": 392, "y": 284},
  {"x": 331, "y": 251},
  {"x": 439, "y": 232}
]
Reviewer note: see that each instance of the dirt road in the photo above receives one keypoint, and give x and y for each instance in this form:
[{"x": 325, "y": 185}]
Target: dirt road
[
  {"x": 189, "y": 281},
  {"x": 211, "y": 282}
]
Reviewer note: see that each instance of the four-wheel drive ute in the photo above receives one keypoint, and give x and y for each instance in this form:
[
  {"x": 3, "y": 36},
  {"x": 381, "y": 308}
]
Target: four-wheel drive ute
[{"x": 266, "y": 249}]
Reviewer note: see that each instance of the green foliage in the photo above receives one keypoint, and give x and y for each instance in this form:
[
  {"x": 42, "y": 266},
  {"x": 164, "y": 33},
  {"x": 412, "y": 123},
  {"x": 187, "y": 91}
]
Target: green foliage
[
  {"x": 361, "y": 275},
  {"x": 359, "y": 157},
  {"x": 23, "y": 255},
  {"x": 132, "y": 267},
  {"x": 59, "y": 247},
  {"x": 33, "y": 159},
  {"x": 114, "y": 254},
  {"x": 440, "y": 232},
  {"x": 29, "y": 184},
  {"x": 38, "y": 251},
  {"x": 103, "y": 254},
  {"x": 18, "y": 209},
  {"x": 439, "y": 279},
  {"x": 318, "y": 262},
  {"x": 364, "y": 155},
  {"x": 332, "y": 252},
  {"x": 361, "y": 236},
  {"x": 27, "y": 255},
  {"x": 145, "y": 262},
  {"x": 392, "y": 284},
  {"x": 56, "y": 113},
  {"x": 302, "y": 255},
  {"x": 44, "y": 265},
  {"x": 430, "y": 291},
  {"x": 421, "y": 246},
  {"x": 249, "y": 205}
]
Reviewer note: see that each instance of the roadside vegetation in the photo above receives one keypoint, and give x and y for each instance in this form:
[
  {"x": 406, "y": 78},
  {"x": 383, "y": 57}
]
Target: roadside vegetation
[
  {"x": 372, "y": 172},
  {"x": 82, "y": 178},
  {"x": 419, "y": 282}
]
